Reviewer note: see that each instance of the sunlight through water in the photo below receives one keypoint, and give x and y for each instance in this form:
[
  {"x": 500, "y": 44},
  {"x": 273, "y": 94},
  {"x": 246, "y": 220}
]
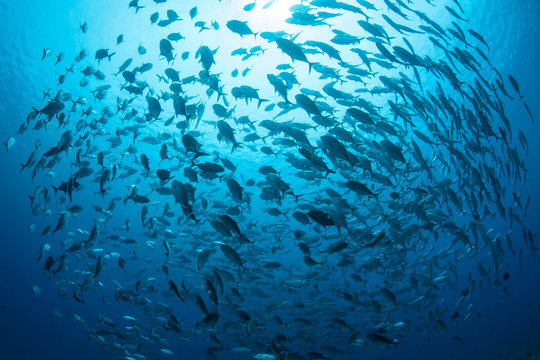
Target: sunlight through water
[{"x": 269, "y": 179}]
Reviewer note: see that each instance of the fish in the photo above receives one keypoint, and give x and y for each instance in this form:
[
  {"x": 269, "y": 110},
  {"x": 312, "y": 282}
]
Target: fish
[
  {"x": 8, "y": 145},
  {"x": 249, "y": 6},
  {"x": 103, "y": 54},
  {"x": 294, "y": 51},
  {"x": 515, "y": 85},
  {"x": 174, "y": 289},
  {"x": 336, "y": 247},
  {"x": 359, "y": 188},
  {"x": 227, "y": 133},
  {"x": 279, "y": 203},
  {"x": 380, "y": 339},
  {"x": 232, "y": 255},
  {"x": 166, "y": 50},
  {"x": 202, "y": 258},
  {"x": 135, "y": 4},
  {"x": 84, "y": 27},
  {"x": 320, "y": 217},
  {"x": 240, "y": 27}
]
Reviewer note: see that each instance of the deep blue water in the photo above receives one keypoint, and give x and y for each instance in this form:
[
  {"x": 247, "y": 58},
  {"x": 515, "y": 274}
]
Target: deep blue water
[{"x": 505, "y": 313}]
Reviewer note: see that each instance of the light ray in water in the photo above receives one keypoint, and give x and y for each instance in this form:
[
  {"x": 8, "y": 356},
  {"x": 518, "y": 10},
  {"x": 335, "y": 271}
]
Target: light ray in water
[{"x": 277, "y": 179}]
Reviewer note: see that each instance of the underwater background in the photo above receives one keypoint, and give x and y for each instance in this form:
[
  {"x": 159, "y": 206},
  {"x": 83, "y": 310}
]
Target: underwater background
[{"x": 37, "y": 323}]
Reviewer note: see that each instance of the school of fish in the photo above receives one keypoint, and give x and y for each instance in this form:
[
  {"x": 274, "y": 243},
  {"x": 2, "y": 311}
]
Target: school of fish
[{"x": 298, "y": 197}]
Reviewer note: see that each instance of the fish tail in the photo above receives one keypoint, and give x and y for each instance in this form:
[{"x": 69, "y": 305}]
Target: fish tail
[
  {"x": 310, "y": 64},
  {"x": 260, "y": 102},
  {"x": 199, "y": 154},
  {"x": 225, "y": 101},
  {"x": 328, "y": 172},
  {"x": 236, "y": 145}
]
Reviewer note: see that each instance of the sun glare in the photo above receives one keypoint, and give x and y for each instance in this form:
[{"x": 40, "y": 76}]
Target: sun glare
[{"x": 273, "y": 12}]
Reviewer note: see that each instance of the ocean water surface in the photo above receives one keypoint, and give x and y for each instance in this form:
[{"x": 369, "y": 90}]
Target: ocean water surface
[{"x": 276, "y": 179}]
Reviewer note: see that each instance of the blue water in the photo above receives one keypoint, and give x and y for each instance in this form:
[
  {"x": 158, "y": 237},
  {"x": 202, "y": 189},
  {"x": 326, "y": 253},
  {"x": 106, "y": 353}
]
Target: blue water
[{"x": 504, "y": 319}]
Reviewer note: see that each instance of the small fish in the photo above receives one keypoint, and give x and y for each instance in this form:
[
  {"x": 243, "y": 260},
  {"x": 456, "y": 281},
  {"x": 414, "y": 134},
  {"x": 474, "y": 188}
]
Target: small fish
[
  {"x": 8, "y": 145},
  {"x": 83, "y": 27}
]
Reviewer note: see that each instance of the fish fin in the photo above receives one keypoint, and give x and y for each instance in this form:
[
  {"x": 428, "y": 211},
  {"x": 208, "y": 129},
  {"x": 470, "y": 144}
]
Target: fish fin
[
  {"x": 200, "y": 154},
  {"x": 310, "y": 64},
  {"x": 261, "y": 101},
  {"x": 235, "y": 145}
]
